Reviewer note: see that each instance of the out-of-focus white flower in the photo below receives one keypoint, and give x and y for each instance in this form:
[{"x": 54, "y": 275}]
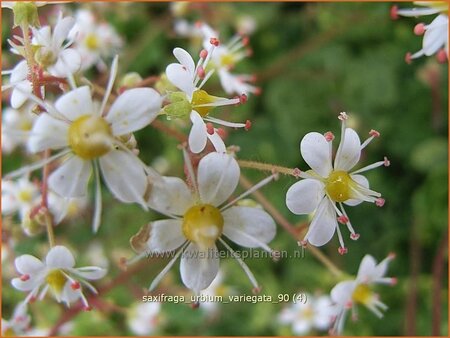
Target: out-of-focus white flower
[
  {"x": 56, "y": 273},
  {"x": 435, "y": 34},
  {"x": 225, "y": 59},
  {"x": 21, "y": 86},
  {"x": 217, "y": 288},
  {"x": 16, "y": 126},
  {"x": 143, "y": 318},
  {"x": 53, "y": 54},
  {"x": 246, "y": 24},
  {"x": 346, "y": 295},
  {"x": 94, "y": 138},
  {"x": 19, "y": 323},
  {"x": 326, "y": 185},
  {"x": 96, "y": 254},
  {"x": 316, "y": 313},
  {"x": 94, "y": 40},
  {"x": 197, "y": 221},
  {"x": 195, "y": 102}
]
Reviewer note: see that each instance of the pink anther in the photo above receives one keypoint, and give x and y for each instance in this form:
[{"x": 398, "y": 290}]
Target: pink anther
[
  {"x": 380, "y": 202},
  {"x": 296, "y": 172},
  {"x": 245, "y": 40},
  {"x": 408, "y": 58},
  {"x": 343, "y": 116},
  {"x": 441, "y": 56},
  {"x": 243, "y": 98},
  {"x": 374, "y": 133},
  {"x": 329, "y": 136},
  {"x": 394, "y": 281},
  {"x": 302, "y": 243},
  {"x": 256, "y": 290},
  {"x": 387, "y": 163},
  {"x": 354, "y": 236},
  {"x": 342, "y": 251},
  {"x": 203, "y": 54},
  {"x": 419, "y": 29},
  {"x": 248, "y": 125},
  {"x": 25, "y": 277},
  {"x": 343, "y": 219},
  {"x": 210, "y": 128},
  {"x": 394, "y": 12},
  {"x": 201, "y": 72},
  {"x": 87, "y": 308},
  {"x": 214, "y": 41},
  {"x": 75, "y": 285}
]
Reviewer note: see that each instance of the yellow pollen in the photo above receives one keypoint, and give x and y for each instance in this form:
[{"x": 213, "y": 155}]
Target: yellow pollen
[
  {"x": 92, "y": 42},
  {"x": 203, "y": 224},
  {"x": 362, "y": 294},
  {"x": 89, "y": 137},
  {"x": 25, "y": 125},
  {"x": 56, "y": 280},
  {"x": 227, "y": 60},
  {"x": 338, "y": 186},
  {"x": 25, "y": 196},
  {"x": 201, "y": 97}
]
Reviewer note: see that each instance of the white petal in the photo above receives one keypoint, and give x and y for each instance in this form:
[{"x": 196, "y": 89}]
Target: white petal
[
  {"x": 19, "y": 72},
  {"x": 75, "y": 103},
  {"x": 90, "y": 272},
  {"x": 241, "y": 224},
  {"x": 69, "y": 62},
  {"x": 436, "y": 35},
  {"x": 181, "y": 78},
  {"x": 71, "y": 178},
  {"x": 133, "y": 110},
  {"x": 28, "y": 285},
  {"x": 185, "y": 59},
  {"x": 171, "y": 196},
  {"x": 61, "y": 30},
  {"x": 342, "y": 292},
  {"x": 323, "y": 225},
  {"x": 362, "y": 181},
  {"x": 48, "y": 133},
  {"x": 59, "y": 257},
  {"x": 198, "y": 134},
  {"x": 69, "y": 295},
  {"x": 165, "y": 235},
  {"x": 217, "y": 142},
  {"x": 366, "y": 268},
  {"x": 301, "y": 326},
  {"x": 349, "y": 151},
  {"x": 315, "y": 150},
  {"x": 18, "y": 97},
  {"x": 218, "y": 175},
  {"x": 28, "y": 265},
  {"x": 124, "y": 176},
  {"x": 304, "y": 196},
  {"x": 199, "y": 268}
]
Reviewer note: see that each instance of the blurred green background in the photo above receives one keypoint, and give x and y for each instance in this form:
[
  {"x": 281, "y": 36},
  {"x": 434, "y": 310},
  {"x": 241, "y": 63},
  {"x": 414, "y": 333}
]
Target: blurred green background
[{"x": 312, "y": 61}]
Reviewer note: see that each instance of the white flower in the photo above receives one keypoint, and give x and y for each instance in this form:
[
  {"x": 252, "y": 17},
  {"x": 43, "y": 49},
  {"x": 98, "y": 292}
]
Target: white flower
[
  {"x": 195, "y": 102},
  {"x": 16, "y": 125},
  {"x": 92, "y": 138},
  {"x": 327, "y": 184},
  {"x": 315, "y": 313},
  {"x": 346, "y": 295},
  {"x": 21, "y": 86},
  {"x": 56, "y": 273},
  {"x": 94, "y": 40},
  {"x": 143, "y": 318},
  {"x": 217, "y": 288},
  {"x": 224, "y": 60},
  {"x": 435, "y": 34},
  {"x": 52, "y": 54},
  {"x": 19, "y": 322},
  {"x": 197, "y": 220}
]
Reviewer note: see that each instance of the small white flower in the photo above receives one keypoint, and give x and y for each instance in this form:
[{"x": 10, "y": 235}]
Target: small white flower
[
  {"x": 198, "y": 220},
  {"x": 326, "y": 185},
  {"x": 94, "y": 40},
  {"x": 346, "y": 295},
  {"x": 18, "y": 81},
  {"x": 143, "y": 318},
  {"x": 316, "y": 313},
  {"x": 56, "y": 273},
  {"x": 195, "y": 102},
  {"x": 19, "y": 323},
  {"x": 435, "y": 34},
  {"x": 92, "y": 138},
  {"x": 16, "y": 126},
  {"x": 224, "y": 60},
  {"x": 52, "y": 54}
]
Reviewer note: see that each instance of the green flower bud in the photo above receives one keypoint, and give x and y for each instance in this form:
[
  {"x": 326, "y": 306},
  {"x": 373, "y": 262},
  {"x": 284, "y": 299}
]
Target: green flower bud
[{"x": 25, "y": 14}]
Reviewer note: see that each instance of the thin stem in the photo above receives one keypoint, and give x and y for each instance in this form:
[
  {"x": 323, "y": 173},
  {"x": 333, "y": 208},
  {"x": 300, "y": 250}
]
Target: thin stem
[
  {"x": 267, "y": 167},
  {"x": 49, "y": 227}
]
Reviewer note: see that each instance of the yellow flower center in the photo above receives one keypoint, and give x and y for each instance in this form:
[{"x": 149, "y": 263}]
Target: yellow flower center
[
  {"x": 338, "y": 186},
  {"x": 9, "y": 332},
  {"x": 201, "y": 97},
  {"x": 25, "y": 196},
  {"x": 227, "y": 60},
  {"x": 45, "y": 57},
  {"x": 89, "y": 137},
  {"x": 203, "y": 224},
  {"x": 362, "y": 294},
  {"x": 25, "y": 125},
  {"x": 92, "y": 42},
  {"x": 56, "y": 280}
]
